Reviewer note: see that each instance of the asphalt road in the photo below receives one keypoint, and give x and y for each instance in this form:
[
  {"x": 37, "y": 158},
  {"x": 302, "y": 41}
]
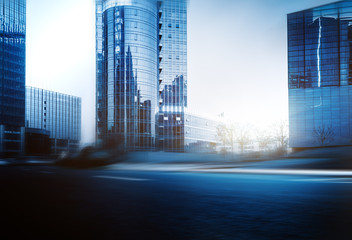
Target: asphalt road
[{"x": 56, "y": 203}]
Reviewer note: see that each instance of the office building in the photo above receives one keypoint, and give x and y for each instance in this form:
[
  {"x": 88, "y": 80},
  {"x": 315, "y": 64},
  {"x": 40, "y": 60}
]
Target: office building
[
  {"x": 141, "y": 47},
  {"x": 320, "y": 76},
  {"x": 173, "y": 98},
  {"x": 171, "y": 116},
  {"x": 188, "y": 132},
  {"x": 52, "y": 116},
  {"x": 127, "y": 72},
  {"x": 12, "y": 76}
]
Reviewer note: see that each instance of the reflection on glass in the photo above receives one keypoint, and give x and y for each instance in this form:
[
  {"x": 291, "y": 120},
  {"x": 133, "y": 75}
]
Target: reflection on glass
[
  {"x": 319, "y": 48},
  {"x": 127, "y": 72},
  {"x": 12, "y": 74},
  {"x": 320, "y": 74}
]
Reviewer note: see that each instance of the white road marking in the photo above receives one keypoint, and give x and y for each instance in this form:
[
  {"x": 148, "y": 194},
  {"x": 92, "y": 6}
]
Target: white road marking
[
  {"x": 326, "y": 180},
  {"x": 123, "y": 178},
  {"x": 333, "y": 173}
]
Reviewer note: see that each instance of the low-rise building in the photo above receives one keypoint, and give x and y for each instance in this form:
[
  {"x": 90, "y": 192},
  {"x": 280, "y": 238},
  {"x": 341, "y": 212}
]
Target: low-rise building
[
  {"x": 186, "y": 132},
  {"x": 57, "y": 114}
]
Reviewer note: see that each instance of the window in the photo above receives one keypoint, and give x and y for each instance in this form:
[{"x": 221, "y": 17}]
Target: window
[
  {"x": 177, "y": 25},
  {"x": 169, "y": 25},
  {"x": 169, "y": 35},
  {"x": 166, "y": 119}
]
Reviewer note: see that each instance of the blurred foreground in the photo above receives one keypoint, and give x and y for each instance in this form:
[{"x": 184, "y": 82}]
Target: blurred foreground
[{"x": 160, "y": 196}]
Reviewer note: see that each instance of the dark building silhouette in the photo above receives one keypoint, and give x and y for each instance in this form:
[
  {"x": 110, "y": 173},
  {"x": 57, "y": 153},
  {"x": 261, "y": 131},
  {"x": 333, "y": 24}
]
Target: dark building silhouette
[{"x": 37, "y": 142}]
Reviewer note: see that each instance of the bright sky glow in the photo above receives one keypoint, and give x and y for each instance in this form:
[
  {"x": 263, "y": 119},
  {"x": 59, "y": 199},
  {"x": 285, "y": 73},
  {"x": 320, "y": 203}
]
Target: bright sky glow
[{"x": 237, "y": 56}]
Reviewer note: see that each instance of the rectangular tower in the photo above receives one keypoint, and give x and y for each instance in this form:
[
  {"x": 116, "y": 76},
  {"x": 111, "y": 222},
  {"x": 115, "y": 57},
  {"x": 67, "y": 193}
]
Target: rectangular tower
[
  {"x": 320, "y": 76},
  {"x": 172, "y": 74},
  {"x": 12, "y": 75}
]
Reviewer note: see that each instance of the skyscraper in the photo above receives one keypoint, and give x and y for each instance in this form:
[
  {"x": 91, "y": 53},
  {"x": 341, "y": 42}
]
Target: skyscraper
[
  {"x": 172, "y": 75},
  {"x": 141, "y": 47},
  {"x": 320, "y": 75},
  {"x": 12, "y": 75}
]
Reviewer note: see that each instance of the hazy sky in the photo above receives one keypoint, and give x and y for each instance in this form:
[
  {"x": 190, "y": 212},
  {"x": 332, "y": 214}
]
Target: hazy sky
[{"x": 237, "y": 55}]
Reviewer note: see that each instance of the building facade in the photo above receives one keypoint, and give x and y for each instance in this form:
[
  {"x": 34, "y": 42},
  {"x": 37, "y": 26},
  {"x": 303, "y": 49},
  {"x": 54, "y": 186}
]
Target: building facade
[
  {"x": 172, "y": 74},
  {"x": 187, "y": 132},
  {"x": 320, "y": 76},
  {"x": 200, "y": 133},
  {"x": 141, "y": 49},
  {"x": 12, "y": 76},
  {"x": 56, "y": 115},
  {"x": 127, "y": 72}
]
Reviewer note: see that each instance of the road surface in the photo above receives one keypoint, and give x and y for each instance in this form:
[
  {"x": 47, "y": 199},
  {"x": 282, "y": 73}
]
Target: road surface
[{"x": 39, "y": 202}]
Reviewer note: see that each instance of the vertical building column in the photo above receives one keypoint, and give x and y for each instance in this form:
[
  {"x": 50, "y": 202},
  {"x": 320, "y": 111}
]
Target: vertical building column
[{"x": 1, "y": 138}]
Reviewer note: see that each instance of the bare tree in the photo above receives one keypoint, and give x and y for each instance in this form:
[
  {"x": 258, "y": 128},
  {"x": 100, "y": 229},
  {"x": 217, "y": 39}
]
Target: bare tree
[
  {"x": 280, "y": 134},
  {"x": 222, "y": 134},
  {"x": 324, "y": 134},
  {"x": 264, "y": 140},
  {"x": 232, "y": 133},
  {"x": 242, "y": 136}
]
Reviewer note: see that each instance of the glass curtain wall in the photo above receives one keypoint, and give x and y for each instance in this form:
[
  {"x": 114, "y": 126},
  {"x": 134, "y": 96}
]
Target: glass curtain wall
[
  {"x": 172, "y": 74},
  {"x": 57, "y": 113},
  {"x": 12, "y": 74},
  {"x": 127, "y": 76},
  {"x": 319, "y": 46},
  {"x": 320, "y": 75}
]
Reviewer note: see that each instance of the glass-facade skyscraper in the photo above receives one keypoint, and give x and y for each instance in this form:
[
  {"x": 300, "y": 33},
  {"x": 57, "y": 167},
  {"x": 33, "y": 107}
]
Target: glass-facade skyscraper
[
  {"x": 127, "y": 74},
  {"x": 141, "y": 50},
  {"x": 172, "y": 75},
  {"x": 12, "y": 75},
  {"x": 320, "y": 75}
]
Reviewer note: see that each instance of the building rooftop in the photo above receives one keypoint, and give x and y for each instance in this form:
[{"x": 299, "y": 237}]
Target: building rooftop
[{"x": 322, "y": 6}]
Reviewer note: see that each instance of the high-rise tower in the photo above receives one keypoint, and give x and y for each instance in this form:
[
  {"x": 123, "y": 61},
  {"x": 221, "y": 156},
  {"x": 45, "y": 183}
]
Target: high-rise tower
[
  {"x": 172, "y": 74},
  {"x": 12, "y": 75},
  {"x": 127, "y": 72},
  {"x": 141, "y": 49}
]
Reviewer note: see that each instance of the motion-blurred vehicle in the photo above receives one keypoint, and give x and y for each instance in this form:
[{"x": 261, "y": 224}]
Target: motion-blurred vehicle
[{"x": 91, "y": 157}]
